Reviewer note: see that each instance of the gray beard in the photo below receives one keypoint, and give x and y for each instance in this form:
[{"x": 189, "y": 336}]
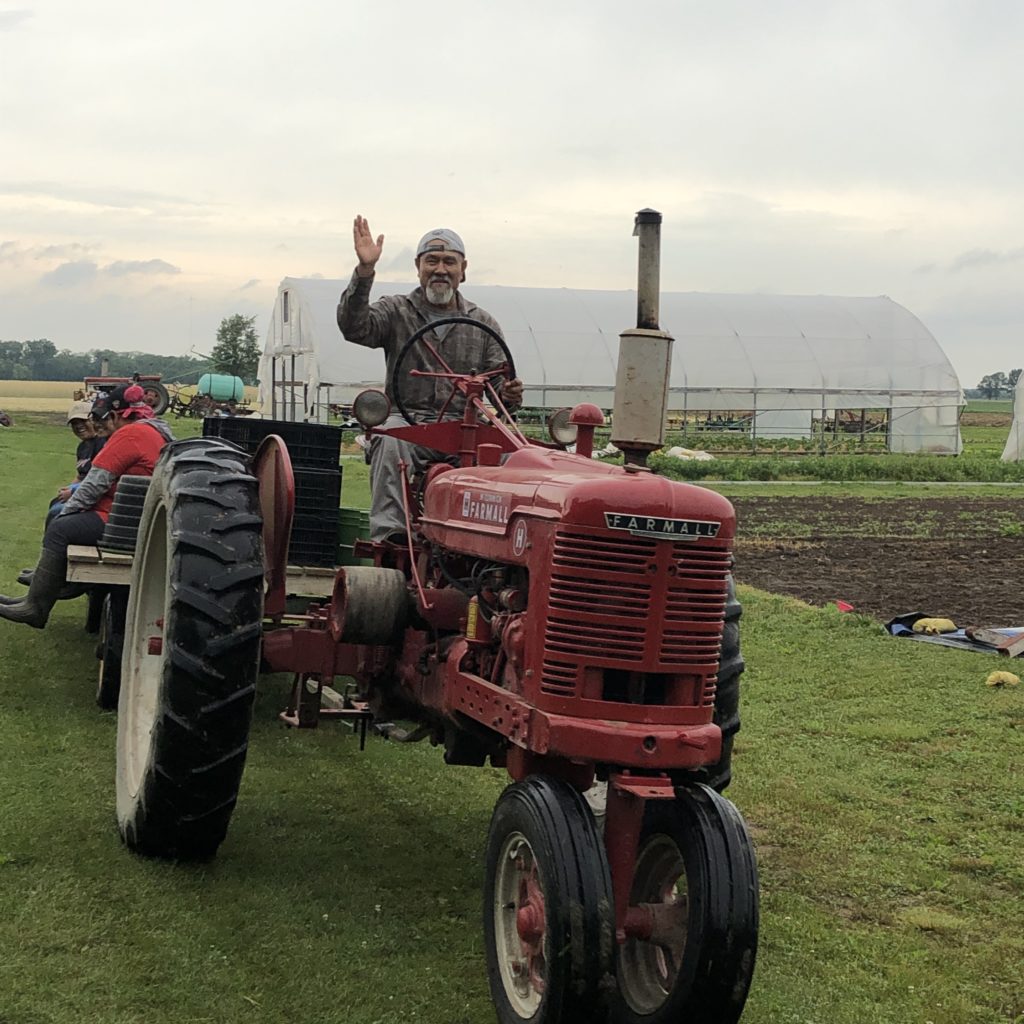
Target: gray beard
[{"x": 440, "y": 294}]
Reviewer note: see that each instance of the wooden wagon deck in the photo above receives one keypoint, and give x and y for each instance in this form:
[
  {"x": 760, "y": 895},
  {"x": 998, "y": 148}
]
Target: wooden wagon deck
[{"x": 87, "y": 564}]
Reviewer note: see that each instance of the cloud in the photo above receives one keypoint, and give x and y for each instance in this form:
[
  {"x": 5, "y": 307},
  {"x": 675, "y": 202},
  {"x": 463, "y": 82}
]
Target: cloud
[
  {"x": 985, "y": 258},
  {"x": 105, "y": 195},
  {"x": 73, "y": 250},
  {"x": 13, "y": 20},
  {"x": 251, "y": 283},
  {"x": 68, "y": 275},
  {"x": 122, "y": 268},
  {"x": 402, "y": 261},
  {"x": 18, "y": 255},
  {"x": 77, "y": 272}
]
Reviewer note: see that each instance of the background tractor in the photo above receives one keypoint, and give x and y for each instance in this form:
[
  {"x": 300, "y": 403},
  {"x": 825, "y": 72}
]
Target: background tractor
[
  {"x": 155, "y": 394},
  {"x": 571, "y": 621}
]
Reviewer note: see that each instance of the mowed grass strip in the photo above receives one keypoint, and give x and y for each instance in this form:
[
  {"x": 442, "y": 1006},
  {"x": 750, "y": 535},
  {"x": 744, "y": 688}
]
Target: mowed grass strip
[{"x": 882, "y": 780}]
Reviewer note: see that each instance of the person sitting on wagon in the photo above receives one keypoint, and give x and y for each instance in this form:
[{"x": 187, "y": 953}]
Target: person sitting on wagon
[
  {"x": 389, "y": 323},
  {"x": 90, "y": 444},
  {"x": 133, "y": 447}
]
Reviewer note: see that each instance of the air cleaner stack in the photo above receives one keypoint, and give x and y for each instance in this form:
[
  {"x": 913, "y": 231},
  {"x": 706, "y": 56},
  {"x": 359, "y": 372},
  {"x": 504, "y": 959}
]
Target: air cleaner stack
[{"x": 645, "y": 357}]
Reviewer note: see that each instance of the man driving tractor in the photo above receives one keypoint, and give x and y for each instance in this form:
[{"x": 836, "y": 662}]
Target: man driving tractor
[{"x": 388, "y": 323}]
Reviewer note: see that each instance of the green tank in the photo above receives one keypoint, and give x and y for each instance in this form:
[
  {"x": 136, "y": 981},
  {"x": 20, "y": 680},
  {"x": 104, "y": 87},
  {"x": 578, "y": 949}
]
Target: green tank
[{"x": 221, "y": 387}]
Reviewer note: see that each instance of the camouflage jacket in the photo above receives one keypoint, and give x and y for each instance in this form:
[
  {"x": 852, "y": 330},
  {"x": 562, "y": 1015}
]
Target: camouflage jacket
[{"x": 392, "y": 320}]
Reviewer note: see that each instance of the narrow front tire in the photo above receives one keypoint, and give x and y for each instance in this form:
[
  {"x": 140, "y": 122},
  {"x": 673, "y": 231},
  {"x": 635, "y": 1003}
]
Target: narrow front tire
[{"x": 548, "y": 914}]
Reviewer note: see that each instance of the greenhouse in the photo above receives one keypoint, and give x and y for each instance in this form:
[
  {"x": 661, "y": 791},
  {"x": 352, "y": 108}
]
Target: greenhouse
[{"x": 772, "y": 365}]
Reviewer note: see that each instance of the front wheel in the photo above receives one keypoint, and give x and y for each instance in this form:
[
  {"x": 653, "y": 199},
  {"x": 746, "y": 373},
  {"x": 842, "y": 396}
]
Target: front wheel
[
  {"x": 548, "y": 916},
  {"x": 696, "y": 879},
  {"x": 191, "y": 652}
]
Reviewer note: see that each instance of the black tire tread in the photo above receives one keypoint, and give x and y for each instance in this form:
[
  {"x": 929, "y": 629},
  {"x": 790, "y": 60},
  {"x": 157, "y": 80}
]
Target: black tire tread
[
  {"x": 212, "y": 640},
  {"x": 722, "y": 931},
  {"x": 580, "y": 972},
  {"x": 727, "y": 693}
]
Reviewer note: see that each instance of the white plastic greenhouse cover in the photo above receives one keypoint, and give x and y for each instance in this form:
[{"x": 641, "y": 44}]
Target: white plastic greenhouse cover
[
  {"x": 1014, "y": 450},
  {"x": 793, "y": 356}
]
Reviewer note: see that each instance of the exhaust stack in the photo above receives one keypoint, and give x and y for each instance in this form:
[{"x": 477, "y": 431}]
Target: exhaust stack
[{"x": 645, "y": 357}]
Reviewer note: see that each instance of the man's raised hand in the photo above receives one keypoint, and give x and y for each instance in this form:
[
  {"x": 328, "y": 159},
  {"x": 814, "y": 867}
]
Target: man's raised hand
[{"x": 367, "y": 250}]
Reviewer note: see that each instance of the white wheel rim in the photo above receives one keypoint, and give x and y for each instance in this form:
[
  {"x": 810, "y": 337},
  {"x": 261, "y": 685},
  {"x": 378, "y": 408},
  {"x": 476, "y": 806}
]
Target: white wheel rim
[
  {"x": 647, "y": 970},
  {"x": 142, "y": 672},
  {"x": 523, "y": 972}
]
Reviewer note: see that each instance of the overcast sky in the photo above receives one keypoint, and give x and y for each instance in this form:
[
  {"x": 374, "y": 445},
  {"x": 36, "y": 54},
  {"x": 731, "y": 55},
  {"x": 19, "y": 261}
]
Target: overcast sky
[{"x": 163, "y": 166}]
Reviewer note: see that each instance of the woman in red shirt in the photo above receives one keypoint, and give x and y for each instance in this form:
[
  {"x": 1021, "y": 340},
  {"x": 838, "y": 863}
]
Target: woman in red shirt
[{"x": 135, "y": 442}]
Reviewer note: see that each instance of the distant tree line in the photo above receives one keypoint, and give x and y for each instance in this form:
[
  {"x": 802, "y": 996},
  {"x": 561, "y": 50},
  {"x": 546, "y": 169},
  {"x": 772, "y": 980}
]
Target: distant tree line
[
  {"x": 235, "y": 352},
  {"x": 998, "y": 385},
  {"x": 40, "y": 360}
]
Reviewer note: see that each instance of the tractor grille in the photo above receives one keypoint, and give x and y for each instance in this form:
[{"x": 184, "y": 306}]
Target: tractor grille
[{"x": 605, "y": 594}]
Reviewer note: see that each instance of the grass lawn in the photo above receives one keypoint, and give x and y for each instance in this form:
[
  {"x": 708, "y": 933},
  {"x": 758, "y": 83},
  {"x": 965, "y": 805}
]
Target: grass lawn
[
  {"x": 883, "y": 782},
  {"x": 997, "y": 405}
]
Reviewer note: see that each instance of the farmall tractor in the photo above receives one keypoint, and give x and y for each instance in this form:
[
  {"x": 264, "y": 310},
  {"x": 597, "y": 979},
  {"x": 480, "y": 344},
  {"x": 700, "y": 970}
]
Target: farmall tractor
[{"x": 569, "y": 620}]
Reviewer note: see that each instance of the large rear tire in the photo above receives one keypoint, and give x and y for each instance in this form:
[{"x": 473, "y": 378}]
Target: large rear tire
[
  {"x": 727, "y": 693},
  {"x": 548, "y": 916},
  {"x": 695, "y": 870},
  {"x": 156, "y": 395},
  {"x": 191, "y": 652}
]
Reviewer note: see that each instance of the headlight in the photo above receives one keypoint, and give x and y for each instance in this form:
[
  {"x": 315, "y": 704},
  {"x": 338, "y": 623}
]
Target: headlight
[
  {"x": 560, "y": 429},
  {"x": 371, "y": 407}
]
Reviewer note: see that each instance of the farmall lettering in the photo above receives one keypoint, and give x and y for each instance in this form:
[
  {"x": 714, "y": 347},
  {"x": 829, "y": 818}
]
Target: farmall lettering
[
  {"x": 656, "y": 526},
  {"x": 486, "y": 507}
]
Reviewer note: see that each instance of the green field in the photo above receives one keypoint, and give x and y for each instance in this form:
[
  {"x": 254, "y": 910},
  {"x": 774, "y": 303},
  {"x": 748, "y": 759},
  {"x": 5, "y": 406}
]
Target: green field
[
  {"x": 997, "y": 405},
  {"x": 883, "y": 782}
]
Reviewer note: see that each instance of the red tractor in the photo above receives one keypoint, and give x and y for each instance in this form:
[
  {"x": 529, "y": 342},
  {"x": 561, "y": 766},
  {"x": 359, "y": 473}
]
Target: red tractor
[
  {"x": 155, "y": 394},
  {"x": 569, "y": 620}
]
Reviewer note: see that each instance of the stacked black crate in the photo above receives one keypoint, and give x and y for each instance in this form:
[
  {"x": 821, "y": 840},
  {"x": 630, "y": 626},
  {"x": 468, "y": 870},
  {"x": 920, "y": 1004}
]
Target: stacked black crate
[{"x": 315, "y": 451}]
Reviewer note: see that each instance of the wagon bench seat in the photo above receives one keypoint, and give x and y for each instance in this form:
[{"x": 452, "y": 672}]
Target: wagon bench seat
[{"x": 89, "y": 564}]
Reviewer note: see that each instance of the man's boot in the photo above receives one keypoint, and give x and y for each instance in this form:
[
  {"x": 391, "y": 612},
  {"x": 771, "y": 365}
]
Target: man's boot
[
  {"x": 67, "y": 593},
  {"x": 47, "y": 583},
  {"x": 24, "y": 578}
]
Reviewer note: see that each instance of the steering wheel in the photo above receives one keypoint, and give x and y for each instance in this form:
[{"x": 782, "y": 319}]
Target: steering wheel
[{"x": 398, "y": 377}]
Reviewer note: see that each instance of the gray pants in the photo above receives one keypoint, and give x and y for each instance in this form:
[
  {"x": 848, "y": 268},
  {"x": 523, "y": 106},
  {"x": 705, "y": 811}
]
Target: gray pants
[{"x": 387, "y": 501}]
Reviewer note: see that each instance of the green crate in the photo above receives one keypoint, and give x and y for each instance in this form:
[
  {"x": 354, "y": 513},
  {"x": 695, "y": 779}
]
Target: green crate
[{"x": 353, "y": 525}]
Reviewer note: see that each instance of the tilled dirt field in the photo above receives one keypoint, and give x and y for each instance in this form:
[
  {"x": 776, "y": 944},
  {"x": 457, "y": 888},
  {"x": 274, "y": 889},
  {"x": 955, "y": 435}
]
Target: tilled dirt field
[{"x": 958, "y": 558}]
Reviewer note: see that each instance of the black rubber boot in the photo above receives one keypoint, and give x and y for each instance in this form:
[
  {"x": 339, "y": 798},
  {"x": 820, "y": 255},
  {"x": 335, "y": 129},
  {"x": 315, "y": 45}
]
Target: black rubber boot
[
  {"x": 47, "y": 583},
  {"x": 67, "y": 593}
]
